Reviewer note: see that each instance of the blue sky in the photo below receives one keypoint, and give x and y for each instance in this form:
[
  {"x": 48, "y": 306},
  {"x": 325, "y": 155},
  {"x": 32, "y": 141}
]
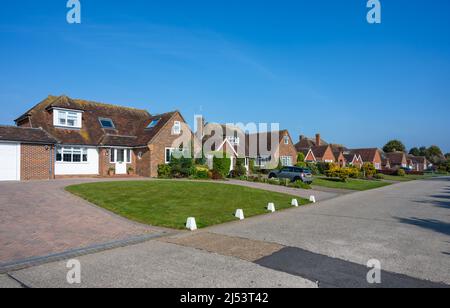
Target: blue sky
[{"x": 312, "y": 66}]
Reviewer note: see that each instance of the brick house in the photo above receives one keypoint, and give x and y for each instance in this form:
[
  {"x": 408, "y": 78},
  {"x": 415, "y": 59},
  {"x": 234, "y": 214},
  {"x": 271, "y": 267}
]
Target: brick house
[
  {"x": 268, "y": 149},
  {"x": 417, "y": 163},
  {"x": 372, "y": 155},
  {"x": 397, "y": 160},
  {"x": 316, "y": 150},
  {"x": 353, "y": 160},
  {"x": 83, "y": 138}
]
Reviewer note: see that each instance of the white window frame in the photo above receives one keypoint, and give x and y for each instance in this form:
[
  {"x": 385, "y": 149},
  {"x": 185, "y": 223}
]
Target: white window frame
[
  {"x": 234, "y": 140},
  {"x": 286, "y": 140},
  {"x": 167, "y": 161},
  {"x": 286, "y": 161},
  {"x": 66, "y": 116},
  {"x": 83, "y": 152},
  {"x": 127, "y": 156},
  {"x": 176, "y": 130}
]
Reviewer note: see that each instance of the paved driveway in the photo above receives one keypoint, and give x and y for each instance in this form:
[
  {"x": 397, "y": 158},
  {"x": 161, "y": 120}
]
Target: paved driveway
[{"x": 40, "y": 218}]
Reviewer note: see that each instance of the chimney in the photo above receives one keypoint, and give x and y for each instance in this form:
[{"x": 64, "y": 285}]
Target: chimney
[
  {"x": 317, "y": 139},
  {"x": 301, "y": 137}
]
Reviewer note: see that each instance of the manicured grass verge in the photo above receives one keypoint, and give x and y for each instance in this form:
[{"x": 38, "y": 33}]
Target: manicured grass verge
[
  {"x": 409, "y": 177},
  {"x": 170, "y": 203},
  {"x": 351, "y": 184}
]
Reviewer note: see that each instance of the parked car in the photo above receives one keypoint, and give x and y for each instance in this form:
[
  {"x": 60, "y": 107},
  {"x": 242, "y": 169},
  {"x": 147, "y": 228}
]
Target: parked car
[{"x": 293, "y": 174}]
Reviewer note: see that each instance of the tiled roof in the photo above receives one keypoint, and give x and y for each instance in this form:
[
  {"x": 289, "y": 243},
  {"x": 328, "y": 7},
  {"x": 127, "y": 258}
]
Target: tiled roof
[
  {"x": 319, "y": 152},
  {"x": 367, "y": 155},
  {"x": 396, "y": 158},
  {"x": 130, "y": 124},
  {"x": 26, "y": 135}
]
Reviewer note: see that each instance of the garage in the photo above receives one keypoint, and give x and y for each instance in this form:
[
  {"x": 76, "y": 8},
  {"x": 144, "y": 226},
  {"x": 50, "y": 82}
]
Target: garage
[{"x": 9, "y": 161}]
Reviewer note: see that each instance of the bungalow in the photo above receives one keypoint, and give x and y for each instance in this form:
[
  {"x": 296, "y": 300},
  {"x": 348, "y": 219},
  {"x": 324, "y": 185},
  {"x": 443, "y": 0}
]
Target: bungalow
[
  {"x": 323, "y": 154},
  {"x": 83, "y": 138},
  {"x": 397, "y": 160},
  {"x": 372, "y": 155},
  {"x": 417, "y": 163},
  {"x": 353, "y": 160}
]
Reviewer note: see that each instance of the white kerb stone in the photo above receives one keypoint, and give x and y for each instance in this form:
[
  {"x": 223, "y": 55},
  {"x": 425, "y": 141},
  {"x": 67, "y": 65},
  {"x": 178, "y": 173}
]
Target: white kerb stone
[
  {"x": 294, "y": 202},
  {"x": 271, "y": 207},
  {"x": 312, "y": 199},
  {"x": 240, "y": 214},
  {"x": 191, "y": 224}
]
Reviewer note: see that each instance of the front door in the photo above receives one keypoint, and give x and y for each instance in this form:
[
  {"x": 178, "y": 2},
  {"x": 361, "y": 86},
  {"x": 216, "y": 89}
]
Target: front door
[{"x": 121, "y": 165}]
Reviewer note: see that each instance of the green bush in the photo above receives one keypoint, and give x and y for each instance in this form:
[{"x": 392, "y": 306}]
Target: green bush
[
  {"x": 201, "y": 173},
  {"x": 353, "y": 172},
  {"x": 301, "y": 160},
  {"x": 300, "y": 184},
  {"x": 182, "y": 167},
  {"x": 336, "y": 171},
  {"x": 313, "y": 167},
  {"x": 369, "y": 170},
  {"x": 251, "y": 166},
  {"x": 401, "y": 172},
  {"x": 323, "y": 167},
  {"x": 240, "y": 169},
  {"x": 164, "y": 171},
  {"x": 379, "y": 176},
  {"x": 222, "y": 165}
]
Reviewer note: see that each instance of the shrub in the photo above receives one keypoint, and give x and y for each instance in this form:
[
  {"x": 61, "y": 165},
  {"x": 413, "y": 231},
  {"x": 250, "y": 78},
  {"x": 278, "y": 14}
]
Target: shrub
[
  {"x": 284, "y": 182},
  {"x": 164, "y": 171},
  {"x": 336, "y": 171},
  {"x": 369, "y": 170},
  {"x": 251, "y": 166},
  {"x": 240, "y": 169},
  {"x": 201, "y": 172},
  {"x": 300, "y": 184},
  {"x": 182, "y": 167},
  {"x": 353, "y": 172},
  {"x": 216, "y": 175},
  {"x": 222, "y": 166},
  {"x": 301, "y": 160},
  {"x": 401, "y": 172},
  {"x": 323, "y": 167},
  {"x": 379, "y": 176},
  {"x": 313, "y": 168}
]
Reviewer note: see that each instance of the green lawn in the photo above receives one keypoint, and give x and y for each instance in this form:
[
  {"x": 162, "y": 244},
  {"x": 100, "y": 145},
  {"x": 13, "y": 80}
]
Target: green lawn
[
  {"x": 170, "y": 203},
  {"x": 408, "y": 177},
  {"x": 351, "y": 184}
]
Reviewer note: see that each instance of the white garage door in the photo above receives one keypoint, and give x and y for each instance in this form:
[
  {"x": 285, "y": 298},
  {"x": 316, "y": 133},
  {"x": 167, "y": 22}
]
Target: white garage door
[{"x": 9, "y": 162}]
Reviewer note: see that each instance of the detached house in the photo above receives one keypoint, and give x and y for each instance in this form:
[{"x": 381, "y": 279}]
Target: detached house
[
  {"x": 71, "y": 137},
  {"x": 316, "y": 150},
  {"x": 397, "y": 160},
  {"x": 417, "y": 163},
  {"x": 369, "y": 156}
]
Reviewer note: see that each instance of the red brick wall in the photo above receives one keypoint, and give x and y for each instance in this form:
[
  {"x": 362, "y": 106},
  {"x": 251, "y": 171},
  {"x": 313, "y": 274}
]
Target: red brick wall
[
  {"x": 310, "y": 157},
  {"x": 328, "y": 156},
  {"x": 36, "y": 161},
  {"x": 163, "y": 140},
  {"x": 288, "y": 149},
  {"x": 143, "y": 163},
  {"x": 105, "y": 164}
]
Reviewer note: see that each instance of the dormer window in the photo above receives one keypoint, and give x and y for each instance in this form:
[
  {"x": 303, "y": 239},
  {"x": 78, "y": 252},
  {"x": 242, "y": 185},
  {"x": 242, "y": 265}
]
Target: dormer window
[
  {"x": 176, "y": 128},
  {"x": 67, "y": 118},
  {"x": 106, "y": 123},
  {"x": 286, "y": 139}
]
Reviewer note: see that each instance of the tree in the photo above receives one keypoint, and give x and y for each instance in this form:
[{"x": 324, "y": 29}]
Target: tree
[
  {"x": 434, "y": 155},
  {"x": 369, "y": 170},
  {"x": 301, "y": 160},
  {"x": 415, "y": 152},
  {"x": 447, "y": 155},
  {"x": 394, "y": 146}
]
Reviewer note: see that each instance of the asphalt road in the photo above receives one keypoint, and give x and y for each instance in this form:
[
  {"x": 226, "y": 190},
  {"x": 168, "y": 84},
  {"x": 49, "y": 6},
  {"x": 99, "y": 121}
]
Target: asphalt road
[{"x": 405, "y": 226}]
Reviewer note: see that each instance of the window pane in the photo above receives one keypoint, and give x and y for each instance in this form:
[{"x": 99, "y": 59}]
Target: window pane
[
  {"x": 107, "y": 123},
  {"x": 120, "y": 156},
  {"x": 72, "y": 119},
  {"x": 113, "y": 155},
  {"x": 76, "y": 157},
  {"x": 67, "y": 157},
  {"x": 58, "y": 154},
  {"x": 168, "y": 155},
  {"x": 128, "y": 156},
  {"x": 85, "y": 155}
]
